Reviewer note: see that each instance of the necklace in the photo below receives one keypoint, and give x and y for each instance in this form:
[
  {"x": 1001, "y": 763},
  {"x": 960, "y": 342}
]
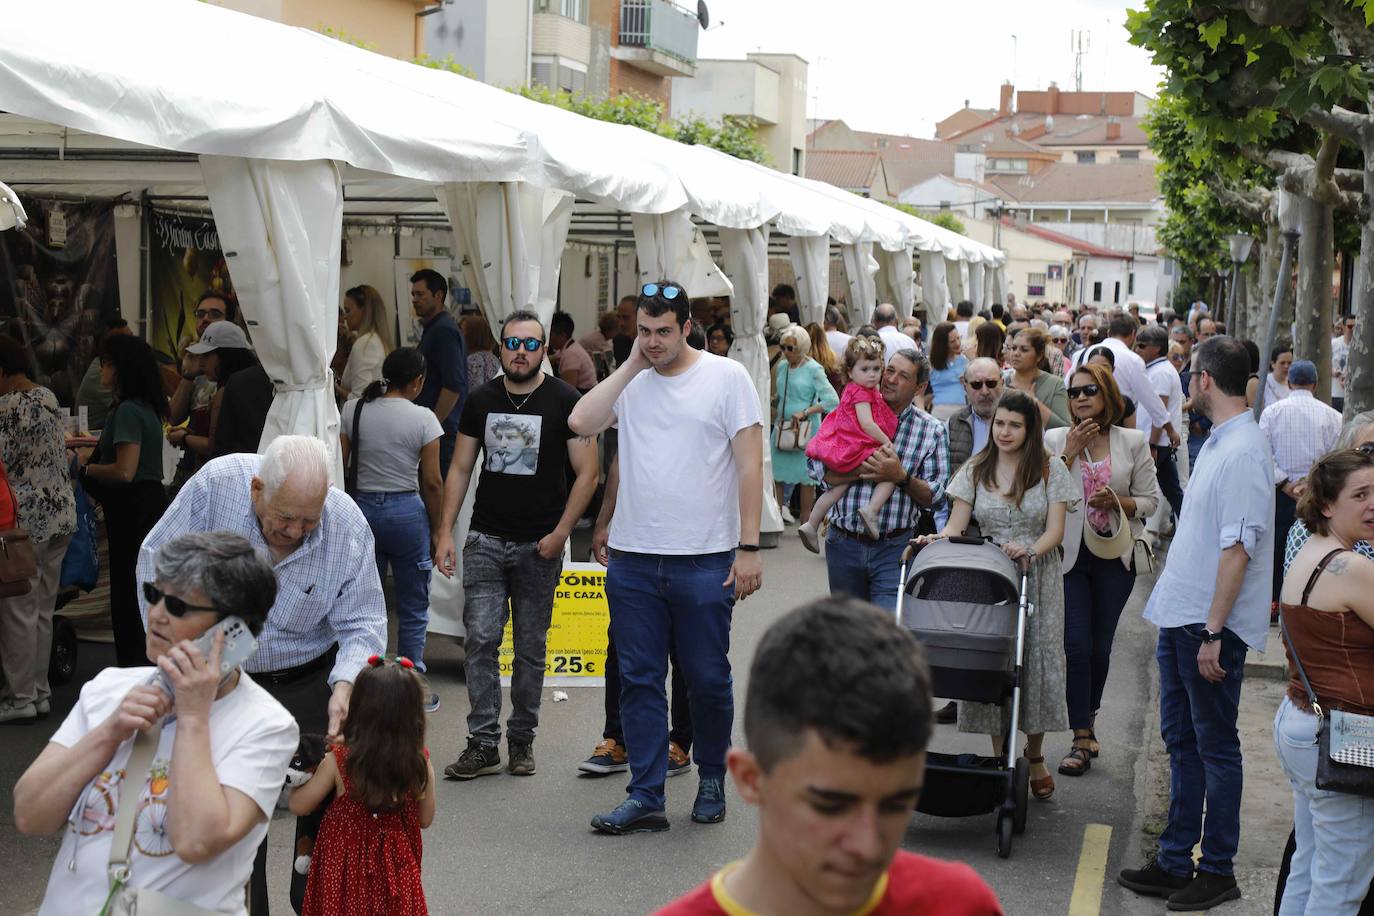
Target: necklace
[{"x": 512, "y": 400}]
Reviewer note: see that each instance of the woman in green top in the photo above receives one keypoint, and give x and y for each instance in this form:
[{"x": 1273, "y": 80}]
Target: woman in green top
[
  {"x": 1029, "y": 372},
  {"x": 801, "y": 392},
  {"x": 124, "y": 474}
]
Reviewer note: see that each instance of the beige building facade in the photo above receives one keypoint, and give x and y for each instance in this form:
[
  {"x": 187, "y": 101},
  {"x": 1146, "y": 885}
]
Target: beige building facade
[{"x": 389, "y": 27}]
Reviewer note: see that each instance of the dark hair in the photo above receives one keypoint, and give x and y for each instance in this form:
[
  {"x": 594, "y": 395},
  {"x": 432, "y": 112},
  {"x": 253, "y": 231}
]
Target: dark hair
[
  {"x": 1030, "y": 470},
  {"x": 722, "y": 328},
  {"x": 783, "y": 290},
  {"x": 996, "y": 311},
  {"x": 1122, "y": 325},
  {"x": 231, "y": 308},
  {"x": 656, "y": 306},
  {"x": 1325, "y": 482},
  {"x": 227, "y": 568},
  {"x": 1104, "y": 352},
  {"x": 845, "y": 670},
  {"x": 14, "y": 358},
  {"x": 136, "y": 374},
  {"x": 115, "y": 324},
  {"x": 562, "y": 323},
  {"x": 1253, "y": 349},
  {"x": 1111, "y": 393},
  {"x": 868, "y": 331},
  {"x": 913, "y": 356},
  {"x": 964, "y": 309},
  {"x": 1154, "y": 335},
  {"x": 1225, "y": 360},
  {"x": 402, "y": 366},
  {"x": 1280, "y": 348},
  {"x": 520, "y": 315},
  {"x": 988, "y": 338},
  {"x": 833, "y": 316},
  {"x": 233, "y": 359},
  {"x": 1039, "y": 342},
  {"x": 385, "y": 736},
  {"x": 939, "y": 345},
  {"x": 432, "y": 279}
]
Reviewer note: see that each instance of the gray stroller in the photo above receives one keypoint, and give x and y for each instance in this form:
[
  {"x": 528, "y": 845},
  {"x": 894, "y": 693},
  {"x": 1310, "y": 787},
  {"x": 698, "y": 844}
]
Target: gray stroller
[{"x": 966, "y": 602}]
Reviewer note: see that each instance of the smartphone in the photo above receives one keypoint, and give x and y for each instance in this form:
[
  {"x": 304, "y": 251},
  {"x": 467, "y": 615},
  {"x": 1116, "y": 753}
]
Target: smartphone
[{"x": 239, "y": 646}]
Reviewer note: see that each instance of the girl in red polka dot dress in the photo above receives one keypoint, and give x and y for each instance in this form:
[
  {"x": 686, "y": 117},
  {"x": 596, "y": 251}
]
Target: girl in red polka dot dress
[{"x": 367, "y": 855}]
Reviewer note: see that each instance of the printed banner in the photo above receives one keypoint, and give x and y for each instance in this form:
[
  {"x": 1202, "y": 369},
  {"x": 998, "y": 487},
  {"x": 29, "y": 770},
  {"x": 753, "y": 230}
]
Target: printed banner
[
  {"x": 576, "y": 652},
  {"x": 59, "y": 283},
  {"x": 184, "y": 261}
]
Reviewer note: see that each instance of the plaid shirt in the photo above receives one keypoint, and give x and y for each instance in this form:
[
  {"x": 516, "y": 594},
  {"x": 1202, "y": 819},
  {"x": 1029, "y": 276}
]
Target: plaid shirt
[
  {"x": 922, "y": 444},
  {"x": 327, "y": 591}
]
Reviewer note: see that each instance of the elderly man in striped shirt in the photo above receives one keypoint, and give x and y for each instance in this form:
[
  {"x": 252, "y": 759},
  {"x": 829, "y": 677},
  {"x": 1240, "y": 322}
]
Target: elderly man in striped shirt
[{"x": 917, "y": 462}]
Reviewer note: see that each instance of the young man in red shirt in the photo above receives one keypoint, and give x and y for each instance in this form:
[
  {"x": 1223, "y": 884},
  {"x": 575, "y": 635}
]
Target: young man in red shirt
[{"x": 837, "y": 719}]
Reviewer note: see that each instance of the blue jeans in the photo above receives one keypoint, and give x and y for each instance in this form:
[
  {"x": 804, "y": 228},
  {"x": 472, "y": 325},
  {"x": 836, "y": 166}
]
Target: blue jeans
[
  {"x": 506, "y": 580},
  {"x": 1197, "y": 720},
  {"x": 656, "y": 601},
  {"x": 1095, "y": 592},
  {"x": 869, "y": 571},
  {"x": 1334, "y": 859},
  {"x": 400, "y": 528}
]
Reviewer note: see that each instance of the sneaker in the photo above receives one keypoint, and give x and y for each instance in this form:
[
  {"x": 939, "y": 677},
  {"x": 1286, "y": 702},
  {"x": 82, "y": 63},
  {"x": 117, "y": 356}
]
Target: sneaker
[
  {"x": 809, "y": 539},
  {"x": 631, "y": 816},
  {"x": 1204, "y": 892},
  {"x": 43, "y": 708},
  {"x": 432, "y": 702},
  {"x": 870, "y": 520},
  {"x": 709, "y": 808},
  {"x": 1152, "y": 880},
  {"x": 609, "y": 757},
  {"x": 947, "y": 714},
  {"x": 478, "y": 760},
  {"x": 11, "y": 714},
  {"x": 678, "y": 761},
  {"x": 521, "y": 759},
  {"x": 787, "y": 518}
]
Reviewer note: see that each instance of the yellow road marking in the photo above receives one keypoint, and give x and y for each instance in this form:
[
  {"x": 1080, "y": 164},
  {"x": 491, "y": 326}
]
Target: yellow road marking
[{"x": 1092, "y": 866}]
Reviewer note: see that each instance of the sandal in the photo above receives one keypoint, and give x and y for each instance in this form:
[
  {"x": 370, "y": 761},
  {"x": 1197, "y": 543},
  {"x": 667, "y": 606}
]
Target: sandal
[
  {"x": 1096, "y": 748},
  {"x": 1077, "y": 761},
  {"x": 1041, "y": 788}
]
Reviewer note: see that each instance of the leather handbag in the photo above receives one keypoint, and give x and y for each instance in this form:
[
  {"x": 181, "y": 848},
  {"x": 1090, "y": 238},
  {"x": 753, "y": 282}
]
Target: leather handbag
[
  {"x": 793, "y": 434},
  {"x": 138, "y": 901},
  {"x": 18, "y": 561},
  {"x": 1113, "y": 546}
]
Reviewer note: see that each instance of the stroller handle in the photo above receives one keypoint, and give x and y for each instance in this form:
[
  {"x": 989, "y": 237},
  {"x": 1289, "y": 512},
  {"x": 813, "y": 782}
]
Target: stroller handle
[{"x": 914, "y": 546}]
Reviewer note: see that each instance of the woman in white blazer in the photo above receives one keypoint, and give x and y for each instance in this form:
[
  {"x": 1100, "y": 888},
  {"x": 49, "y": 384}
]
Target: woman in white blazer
[
  {"x": 1101, "y": 456},
  {"x": 365, "y": 313}
]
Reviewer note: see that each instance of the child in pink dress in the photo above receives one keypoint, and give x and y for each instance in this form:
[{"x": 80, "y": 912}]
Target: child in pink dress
[{"x": 850, "y": 433}]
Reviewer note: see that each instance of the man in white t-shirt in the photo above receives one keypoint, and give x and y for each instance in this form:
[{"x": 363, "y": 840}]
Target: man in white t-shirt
[
  {"x": 1152, "y": 344},
  {"x": 837, "y": 339},
  {"x": 1340, "y": 357},
  {"x": 885, "y": 323},
  {"x": 690, "y": 425}
]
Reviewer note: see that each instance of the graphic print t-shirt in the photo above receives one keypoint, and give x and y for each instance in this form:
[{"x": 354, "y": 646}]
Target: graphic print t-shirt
[{"x": 523, "y": 487}]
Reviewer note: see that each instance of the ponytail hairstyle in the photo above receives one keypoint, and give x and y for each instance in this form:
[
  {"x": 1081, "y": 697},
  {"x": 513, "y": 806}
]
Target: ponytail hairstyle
[
  {"x": 401, "y": 367},
  {"x": 385, "y": 734}
]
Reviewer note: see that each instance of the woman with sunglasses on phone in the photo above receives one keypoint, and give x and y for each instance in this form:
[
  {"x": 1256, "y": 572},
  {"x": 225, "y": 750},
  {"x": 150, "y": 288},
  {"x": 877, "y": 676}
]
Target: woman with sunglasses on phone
[
  {"x": 801, "y": 394},
  {"x": 1111, "y": 467},
  {"x": 1029, "y": 372},
  {"x": 205, "y": 797}
]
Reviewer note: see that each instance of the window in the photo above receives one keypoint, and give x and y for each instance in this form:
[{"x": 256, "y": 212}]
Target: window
[
  {"x": 1130, "y": 284},
  {"x": 570, "y": 80},
  {"x": 1129, "y": 154},
  {"x": 796, "y": 161},
  {"x": 1086, "y": 156},
  {"x": 1116, "y": 291},
  {"x": 1097, "y": 290},
  {"x": 1035, "y": 284},
  {"x": 576, "y": 10},
  {"x": 541, "y": 71}
]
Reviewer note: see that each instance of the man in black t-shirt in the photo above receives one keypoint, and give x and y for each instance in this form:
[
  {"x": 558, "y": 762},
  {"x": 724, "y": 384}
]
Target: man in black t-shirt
[{"x": 523, "y": 514}]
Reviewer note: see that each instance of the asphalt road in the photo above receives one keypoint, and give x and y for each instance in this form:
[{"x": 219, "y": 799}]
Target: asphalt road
[{"x": 502, "y": 844}]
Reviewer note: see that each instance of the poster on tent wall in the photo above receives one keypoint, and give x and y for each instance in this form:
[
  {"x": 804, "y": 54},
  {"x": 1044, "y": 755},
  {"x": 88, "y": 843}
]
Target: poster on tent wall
[
  {"x": 58, "y": 286},
  {"x": 184, "y": 260}
]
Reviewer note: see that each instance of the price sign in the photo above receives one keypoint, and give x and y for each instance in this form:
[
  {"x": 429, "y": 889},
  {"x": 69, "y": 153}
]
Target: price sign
[{"x": 576, "y": 651}]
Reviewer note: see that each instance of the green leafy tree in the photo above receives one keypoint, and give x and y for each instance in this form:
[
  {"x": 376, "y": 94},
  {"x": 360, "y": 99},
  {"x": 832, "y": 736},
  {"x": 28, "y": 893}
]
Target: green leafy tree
[{"x": 945, "y": 219}]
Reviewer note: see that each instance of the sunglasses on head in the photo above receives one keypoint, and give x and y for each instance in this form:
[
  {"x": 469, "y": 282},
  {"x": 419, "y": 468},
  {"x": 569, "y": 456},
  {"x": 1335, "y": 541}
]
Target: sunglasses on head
[
  {"x": 529, "y": 343},
  {"x": 978, "y": 384},
  {"x": 174, "y": 605},
  {"x": 665, "y": 291},
  {"x": 1084, "y": 391}
]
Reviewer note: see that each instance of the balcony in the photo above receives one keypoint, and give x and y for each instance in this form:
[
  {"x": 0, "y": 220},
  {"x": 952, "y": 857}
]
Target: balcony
[{"x": 657, "y": 36}]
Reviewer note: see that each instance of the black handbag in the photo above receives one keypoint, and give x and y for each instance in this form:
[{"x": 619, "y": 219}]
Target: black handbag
[{"x": 351, "y": 470}]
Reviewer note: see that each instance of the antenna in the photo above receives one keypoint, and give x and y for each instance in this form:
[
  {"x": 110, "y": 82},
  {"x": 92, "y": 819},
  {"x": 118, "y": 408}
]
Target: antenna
[{"x": 1080, "y": 41}]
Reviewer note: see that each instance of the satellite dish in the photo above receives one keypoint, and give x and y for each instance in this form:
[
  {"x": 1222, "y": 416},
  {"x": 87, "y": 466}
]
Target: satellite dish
[{"x": 703, "y": 14}]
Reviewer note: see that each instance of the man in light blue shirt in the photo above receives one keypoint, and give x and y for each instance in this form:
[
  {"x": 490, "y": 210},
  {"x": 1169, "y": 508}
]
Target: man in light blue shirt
[{"x": 1210, "y": 603}]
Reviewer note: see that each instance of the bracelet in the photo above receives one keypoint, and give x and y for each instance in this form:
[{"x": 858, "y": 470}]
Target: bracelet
[{"x": 748, "y": 548}]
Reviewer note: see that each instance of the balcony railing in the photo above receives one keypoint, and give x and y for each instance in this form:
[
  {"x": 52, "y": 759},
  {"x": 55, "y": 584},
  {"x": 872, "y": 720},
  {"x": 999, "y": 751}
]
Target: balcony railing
[{"x": 659, "y": 25}]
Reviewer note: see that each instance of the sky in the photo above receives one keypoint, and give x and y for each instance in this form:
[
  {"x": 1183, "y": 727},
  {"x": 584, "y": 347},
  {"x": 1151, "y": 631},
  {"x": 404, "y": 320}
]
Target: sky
[{"x": 899, "y": 66}]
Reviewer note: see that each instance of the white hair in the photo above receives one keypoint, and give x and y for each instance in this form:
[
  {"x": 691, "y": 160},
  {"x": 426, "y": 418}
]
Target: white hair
[
  {"x": 796, "y": 334},
  {"x": 303, "y": 459}
]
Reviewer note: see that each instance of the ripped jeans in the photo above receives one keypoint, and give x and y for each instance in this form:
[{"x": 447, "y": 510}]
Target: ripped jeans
[{"x": 400, "y": 527}]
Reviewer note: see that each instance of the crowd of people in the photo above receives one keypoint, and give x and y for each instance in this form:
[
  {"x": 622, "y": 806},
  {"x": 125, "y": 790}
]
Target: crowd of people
[{"x": 1077, "y": 441}]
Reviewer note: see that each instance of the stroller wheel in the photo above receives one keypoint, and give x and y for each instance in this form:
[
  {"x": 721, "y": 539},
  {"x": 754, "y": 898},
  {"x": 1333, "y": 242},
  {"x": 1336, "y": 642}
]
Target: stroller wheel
[
  {"x": 1004, "y": 832},
  {"x": 1020, "y": 785}
]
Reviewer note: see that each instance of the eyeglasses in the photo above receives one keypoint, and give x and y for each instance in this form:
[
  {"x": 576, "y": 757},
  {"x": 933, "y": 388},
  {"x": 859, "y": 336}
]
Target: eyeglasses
[
  {"x": 174, "y": 605},
  {"x": 1084, "y": 391},
  {"x": 530, "y": 343},
  {"x": 216, "y": 314},
  {"x": 666, "y": 291},
  {"x": 978, "y": 384}
]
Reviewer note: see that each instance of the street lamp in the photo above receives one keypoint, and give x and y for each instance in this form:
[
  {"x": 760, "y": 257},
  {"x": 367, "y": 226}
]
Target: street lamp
[
  {"x": 1240, "y": 250},
  {"x": 1290, "y": 229}
]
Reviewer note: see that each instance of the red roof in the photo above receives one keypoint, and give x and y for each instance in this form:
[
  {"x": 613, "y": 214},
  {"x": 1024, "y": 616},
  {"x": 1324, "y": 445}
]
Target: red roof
[
  {"x": 849, "y": 169},
  {"x": 1078, "y": 245}
]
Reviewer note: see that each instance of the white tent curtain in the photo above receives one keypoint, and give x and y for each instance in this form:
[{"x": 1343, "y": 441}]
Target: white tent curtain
[
  {"x": 859, "y": 268},
  {"x": 671, "y": 247},
  {"x": 895, "y": 280},
  {"x": 999, "y": 284},
  {"x": 975, "y": 286},
  {"x": 810, "y": 256},
  {"x": 280, "y": 225},
  {"x": 954, "y": 281},
  {"x": 744, "y": 254},
  {"x": 511, "y": 237},
  {"x": 934, "y": 287}
]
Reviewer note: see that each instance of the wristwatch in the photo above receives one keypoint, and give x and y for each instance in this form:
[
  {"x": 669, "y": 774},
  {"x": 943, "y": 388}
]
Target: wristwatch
[
  {"x": 1208, "y": 636},
  {"x": 748, "y": 548},
  {"x": 906, "y": 483}
]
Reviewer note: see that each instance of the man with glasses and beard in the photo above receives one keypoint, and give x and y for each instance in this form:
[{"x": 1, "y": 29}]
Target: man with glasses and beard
[{"x": 524, "y": 512}]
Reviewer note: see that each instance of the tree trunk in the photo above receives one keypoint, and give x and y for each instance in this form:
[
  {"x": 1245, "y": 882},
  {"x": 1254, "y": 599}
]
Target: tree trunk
[
  {"x": 1359, "y": 383},
  {"x": 1313, "y": 307}
]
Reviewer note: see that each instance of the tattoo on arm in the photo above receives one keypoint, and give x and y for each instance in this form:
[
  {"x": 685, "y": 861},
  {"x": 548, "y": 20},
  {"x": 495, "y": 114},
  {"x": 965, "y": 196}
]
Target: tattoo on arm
[{"x": 1337, "y": 566}]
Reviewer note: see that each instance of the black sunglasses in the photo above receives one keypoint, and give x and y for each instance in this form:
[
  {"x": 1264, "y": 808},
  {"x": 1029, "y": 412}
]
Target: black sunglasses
[
  {"x": 175, "y": 606},
  {"x": 979, "y": 384},
  {"x": 530, "y": 343},
  {"x": 1084, "y": 391},
  {"x": 666, "y": 291},
  {"x": 789, "y": 348}
]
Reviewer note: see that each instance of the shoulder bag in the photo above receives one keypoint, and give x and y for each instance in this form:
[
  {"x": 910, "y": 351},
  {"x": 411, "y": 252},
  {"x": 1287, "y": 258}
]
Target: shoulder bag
[
  {"x": 138, "y": 901},
  {"x": 18, "y": 561},
  {"x": 793, "y": 434},
  {"x": 351, "y": 472},
  {"x": 1345, "y": 740}
]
